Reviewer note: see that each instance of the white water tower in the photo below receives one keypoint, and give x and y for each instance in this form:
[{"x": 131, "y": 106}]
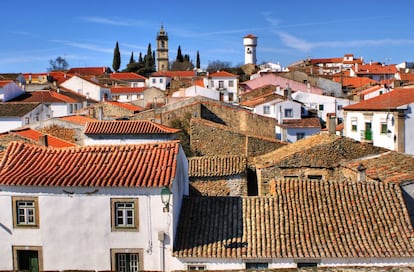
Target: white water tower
[{"x": 250, "y": 43}]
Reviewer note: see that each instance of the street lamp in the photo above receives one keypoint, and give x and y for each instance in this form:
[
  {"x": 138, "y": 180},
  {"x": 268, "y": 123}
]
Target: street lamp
[{"x": 165, "y": 198}]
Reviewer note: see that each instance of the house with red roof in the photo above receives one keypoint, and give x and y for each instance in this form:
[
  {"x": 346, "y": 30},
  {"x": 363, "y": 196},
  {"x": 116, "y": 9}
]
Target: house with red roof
[
  {"x": 89, "y": 71},
  {"x": 386, "y": 120},
  {"x": 59, "y": 103},
  {"x": 131, "y": 79},
  {"x": 127, "y": 94},
  {"x": 88, "y": 88},
  {"x": 119, "y": 132},
  {"x": 226, "y": 84},
  {"x": 38, "y": 137},
  {"x": 91, "y": 208},
  {"x": 162, "y": 79},
  {"x": 9, "y": 90},
  {"x": 375, "y": 71}
]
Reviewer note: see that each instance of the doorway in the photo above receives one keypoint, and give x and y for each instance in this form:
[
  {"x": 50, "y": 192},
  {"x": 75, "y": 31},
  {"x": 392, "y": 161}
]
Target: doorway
[{"x": 27, "y": 258}]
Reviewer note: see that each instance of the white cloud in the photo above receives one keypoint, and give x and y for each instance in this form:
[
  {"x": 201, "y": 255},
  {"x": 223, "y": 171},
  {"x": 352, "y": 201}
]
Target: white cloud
[
  {"x": 113, "y": 21},
  {"x": 294, "y": 42},
  {"x": 88, "y": 46}
]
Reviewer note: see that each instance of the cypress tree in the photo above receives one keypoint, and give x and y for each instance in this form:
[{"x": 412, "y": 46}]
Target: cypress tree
[
  {"x": 198, "y": 61},
  {"x": 131, "y": 59},
  {"x": 116, "y": 63},
  {"x": 140, "y": 60},
  {"x": 180, "y": 57}
]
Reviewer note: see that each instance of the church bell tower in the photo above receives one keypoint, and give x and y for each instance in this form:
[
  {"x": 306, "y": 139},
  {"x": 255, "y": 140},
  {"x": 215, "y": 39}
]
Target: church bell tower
[{"x": 162, "y": 50}]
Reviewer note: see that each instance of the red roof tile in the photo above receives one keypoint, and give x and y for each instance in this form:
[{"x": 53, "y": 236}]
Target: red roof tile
[
  {"x": 250, "y": 36},
  {"x": 309, "y": 122},
  {"x": 216, "y": 166},
  {"x": 127, "y": 76},
  {"x": 128, "y": 127},
  {"x": 46, "y": 97},
  {"x": 35, "y": 136},
  {"x": 145, "y": 165},
  {"x": 354, "y": 82},
  {"x": 376, "y": 69},
  {"x": 386, "y": 101},
  {"x": 77, "y": 119},
  {"x": 173, "y": 74},
  {"x": 89, "y": 71},
  {"x": 303, "y": 219},
  {"x": 127, "y": 106},
  {"x": 222, "y": 74}
]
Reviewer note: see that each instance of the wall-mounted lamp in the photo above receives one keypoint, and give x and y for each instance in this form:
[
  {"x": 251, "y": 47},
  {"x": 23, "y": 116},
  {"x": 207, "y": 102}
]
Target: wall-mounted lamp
[{"x": 165, "y": 198}]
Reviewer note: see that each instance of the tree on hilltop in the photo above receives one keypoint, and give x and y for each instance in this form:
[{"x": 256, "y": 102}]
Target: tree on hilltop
[{"x": 59, "y": 64}]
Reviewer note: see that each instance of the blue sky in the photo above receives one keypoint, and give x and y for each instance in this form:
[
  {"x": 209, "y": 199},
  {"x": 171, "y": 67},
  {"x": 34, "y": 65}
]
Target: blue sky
[{"x": 85, "y": 32}]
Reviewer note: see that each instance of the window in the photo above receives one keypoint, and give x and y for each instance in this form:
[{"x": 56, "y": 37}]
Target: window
[
  {"x": 231, "y": 97},
  {"x": 153, "y": 80},
  {"x": 126, "y": 260},
  {"x": 27, "y": 258},
  {"x": 339, "y": 107},
  {"x": 288, "y": 113},
  {"x": 384, "y": 128},
  {"x": 300, "y": 135},
  {"x": 257, "y": 265},
  {"x": 354, "y": 126},
  {"x": 317, "y": 177},
  {"x": 321, "y": 107},
  {"x": 221, "y": 84},
  {"x": 25, "y": 212},
  {"x": 231, "y": 83},
  {"x": 124, "y": 214},
  {"x": 266, "y": 109},
  {"x": 26, "y": 120},
  {"x": 196, "y": 267},
  {"x": 161, "y": 80}
]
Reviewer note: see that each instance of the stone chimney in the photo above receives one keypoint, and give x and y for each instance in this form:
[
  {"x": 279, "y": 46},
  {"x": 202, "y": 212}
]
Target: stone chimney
[
  {"x": 331, "y": 123},
  {"x": 362, "y": 174},
  {"x": 43, "y": 140}
]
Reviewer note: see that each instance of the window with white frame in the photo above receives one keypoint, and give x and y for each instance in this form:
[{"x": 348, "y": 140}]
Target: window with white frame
[
  {"x": 266, "y": 109},
  {"x": 288, "y": 112},
  {"x": 231, "y": 83},
  {"x": 354, "y": 124},
  {"x": 126, "y": 260},
  {"x": 124, "y": 215},
  {"x": 221, "y": 84},
  {"x": 25, "y": 212},
  {"x": 153, "y": 80},
  {"x": 384, "y": 128}
]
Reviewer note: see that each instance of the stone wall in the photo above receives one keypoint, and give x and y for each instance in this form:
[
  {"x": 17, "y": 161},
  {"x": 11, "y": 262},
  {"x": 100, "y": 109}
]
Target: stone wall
[
  {"x": 219, "y": 186},
  {"x": 210, "y": 139}
]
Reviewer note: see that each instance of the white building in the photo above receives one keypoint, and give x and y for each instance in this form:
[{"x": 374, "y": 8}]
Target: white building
[
  {"x": 112, "y": 208},
  {"x": 386, "y": 120},
  {"x": 250, "y": 44},
  {"x": 322, "y": 104},
  {"x": 18, "y": 114},
  {"x": 9, "y": 90},
  {"x": 87, "y": 88},
  {"x": 226, "y": 84}
]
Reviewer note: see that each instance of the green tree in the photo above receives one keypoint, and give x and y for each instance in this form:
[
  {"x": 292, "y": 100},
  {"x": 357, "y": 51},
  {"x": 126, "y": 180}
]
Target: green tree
[
  {"x": 59, "y": 64},
  {"x": 140, "y": 60},
  {"x": 179, "y": 57},
  {"x": 131, "y": 59},
  {"x": 198, "y": 61},
  {"x": 116, "y": 63}
]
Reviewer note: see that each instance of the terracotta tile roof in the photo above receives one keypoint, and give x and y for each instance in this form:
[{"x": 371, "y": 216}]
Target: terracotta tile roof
[
  {"x": 77, "y": 119},
  {"x": 376, "y": 69},
  {"x": 128, "y": 127},
  {"x": 16, "y": 109},
  {"x": 386, "y": 101},
  {"x": 304, "y": 219},
  {"x": 45, "y": 96},
  {"x": 127, "y": 106},
  {"x": 5, "y": 82},
  {"x": 173, "y": 74},
  {"x": 127, "y": 90},
  {"x": 370, "y": 90},
  {"x": 304, "y": 122},
  {"x": 355, "y": 82},
  {"x": 322, "y": 150},
  {"x": 89, "y": 71},
  {"x": 222, "y": 74},
  {"x": 265, "y": 98},
  {"x": 407, "y": 77},
  {"x": 145, "y": 165},
  {"x": 35, "y": 136},
  {"x": 326, "y": 60},
  {"x": 386, "y": 167},
  {"x": 214, "y": 166},
  {"x": 127, "y": 76}
]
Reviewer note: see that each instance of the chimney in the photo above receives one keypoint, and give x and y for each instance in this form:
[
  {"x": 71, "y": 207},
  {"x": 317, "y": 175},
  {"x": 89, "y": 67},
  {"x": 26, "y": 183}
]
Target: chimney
[
  {"x": 331, "y": 124},
  {"x": 362, "y": 175},
  {"x": 43, "y": 140}
]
